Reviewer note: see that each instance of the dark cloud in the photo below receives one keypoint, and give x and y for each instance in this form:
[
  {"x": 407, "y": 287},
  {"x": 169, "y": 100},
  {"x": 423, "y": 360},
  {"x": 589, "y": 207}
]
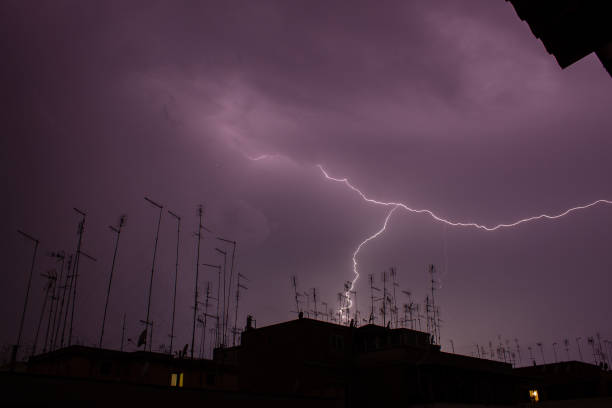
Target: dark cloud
[{"x": 452, "y": 107}]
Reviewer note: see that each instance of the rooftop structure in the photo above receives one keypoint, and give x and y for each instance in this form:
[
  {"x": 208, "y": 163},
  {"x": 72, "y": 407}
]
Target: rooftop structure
[
  {"x": 305, "y": 361},
  {"x": 570, "y": 29}
]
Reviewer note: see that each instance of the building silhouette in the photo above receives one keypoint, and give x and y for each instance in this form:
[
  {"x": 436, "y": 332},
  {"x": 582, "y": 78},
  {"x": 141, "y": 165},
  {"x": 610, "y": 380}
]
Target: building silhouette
[{"x": 302, "y": 362}]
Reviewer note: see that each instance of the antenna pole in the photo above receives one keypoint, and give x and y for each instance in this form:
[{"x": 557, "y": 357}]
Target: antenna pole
[
  {"x": 110, "y": 279},
  {"x": 178, "y": 236},
  {"x": 218, "y": 267},
  {"x": 147, "y": 322},
  {"x": 384, "y": 308},
  {"x": 229, "y": 289},
  {"x": 371, "y": 299},
  {"x": 541, "y": 347},
  {"x": 25, "y": 303},
  {"x": 579, "y": 351},
  {"x": 432, "y": 270},
  {"x": 203, "y": 347},
  {"x": 314, "y": 298},
  {"x": 222, "y": 325},
  {"x": 42, "y": 314},
  {"x": 69, "y": 278},
  {"x": 75, "y": 270},
  {"x": 297, "y": 303},
  {"x": 195, "y": 290},
  {"x": 395, "y": 284},
  {"x": 354, "y": 293},
  {"x": 518, "y": 351},
  {"x": 58, "y": 314},
  {"x": 52, "y": 284},
  {"x": 427, "y": 315},
  {"x": 307, "y": 296},
  {"x": 239, "y": 285},
  {"x": 566, "y": 345}
]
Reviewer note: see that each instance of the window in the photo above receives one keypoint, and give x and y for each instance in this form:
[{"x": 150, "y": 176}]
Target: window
[{"x": 173, "y": 379}]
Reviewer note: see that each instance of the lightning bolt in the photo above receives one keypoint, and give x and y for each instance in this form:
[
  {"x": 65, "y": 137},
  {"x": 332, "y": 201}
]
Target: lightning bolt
[
  {"x": 396, "y": 205},
  {"x": 365, "y": 241},
  {"x": 460, "y": 224}
]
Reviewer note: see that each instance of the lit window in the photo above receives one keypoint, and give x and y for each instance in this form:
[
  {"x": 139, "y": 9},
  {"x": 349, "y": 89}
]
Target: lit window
[
  {"x": 533, "y": 395},
  {"x": 181, "y": 380},
  {"x": 173, "y": 380}
]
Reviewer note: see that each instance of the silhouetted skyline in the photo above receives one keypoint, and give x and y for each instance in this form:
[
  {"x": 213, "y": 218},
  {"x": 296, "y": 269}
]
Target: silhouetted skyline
[{"x": 454, "y": 108}]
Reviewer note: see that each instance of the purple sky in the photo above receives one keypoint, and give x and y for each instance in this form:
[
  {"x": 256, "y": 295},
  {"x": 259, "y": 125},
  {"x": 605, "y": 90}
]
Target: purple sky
[{"x": 451, "y": 107}]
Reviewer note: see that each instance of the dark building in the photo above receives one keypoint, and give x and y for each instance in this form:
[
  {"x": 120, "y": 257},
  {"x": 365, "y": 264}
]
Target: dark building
[
  {"x": 300, "y": 363},
  {"x": 570, "y": 29},
  {"x": 567, "y": 380},
  {"x": 134, "y": 367},
  {"x": 364, "y": 366}
]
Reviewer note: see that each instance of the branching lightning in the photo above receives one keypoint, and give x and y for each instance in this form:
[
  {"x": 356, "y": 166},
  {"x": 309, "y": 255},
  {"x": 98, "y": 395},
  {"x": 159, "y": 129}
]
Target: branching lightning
[
  {"x": 396, "y": 205},
  {"x": 460, "y": 224},
  {"x": 365, "y": 241}
]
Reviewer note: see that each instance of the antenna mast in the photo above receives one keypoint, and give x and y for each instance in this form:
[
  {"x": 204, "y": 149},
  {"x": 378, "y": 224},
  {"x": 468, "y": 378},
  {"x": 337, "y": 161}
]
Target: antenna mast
[
  {"x": 356, "y": 319},
  {"x": 75, "y": 270},
  {"x": 579, "y": 351},
  {"x": 518, "y": 351},
  {"x": 566, "y": 344},
  {"x": 432, "y": 271},
  {"x": 229, "y": 289},
  {"x": 222, "y": 325},
  {"x": 384, "y": 298},
  {"x": 75, "y": 273},
  {"x": 238, "y": 287},
  {"x": 47, "y": 289},
  {"x": 58, "y": 314},
  {"x": 295, "y": 291},
  {"x": 147, "y": 322},
  {"x": 25, "y": 303},
  {"x": 110, "y": 279},
  {"x": 195, "y": 289},
  {"x": 418, "y": 316},
  {"x": 67, "y": 285},
  {"x": 539, "y": 344},
  {"x": 203, "y": 344},
  {"x": 314, "y": 298},
  {"x": 218, "y": 268},
  {"x": 395, "y": 284},
  {"x": 52, "y": 277},
  {"x": 178, "y": 237}
]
